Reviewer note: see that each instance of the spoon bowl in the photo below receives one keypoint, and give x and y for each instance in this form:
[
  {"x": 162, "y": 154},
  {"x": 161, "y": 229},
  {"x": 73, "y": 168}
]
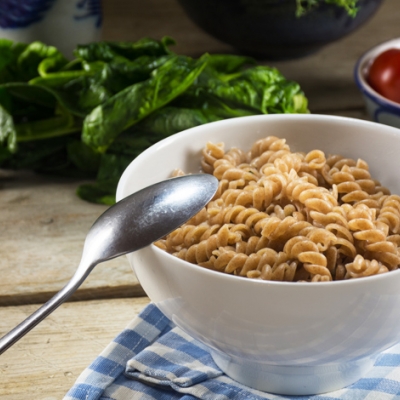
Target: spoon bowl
[{"x": 131, "y": 224}]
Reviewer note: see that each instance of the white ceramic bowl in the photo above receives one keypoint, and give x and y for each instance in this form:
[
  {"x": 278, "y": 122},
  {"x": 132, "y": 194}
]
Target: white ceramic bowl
[
  {"x": 379, "y": 108},
  {"x": 281, "y": 337}
]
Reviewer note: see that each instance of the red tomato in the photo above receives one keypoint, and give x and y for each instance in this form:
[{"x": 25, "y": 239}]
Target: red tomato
[{"x": 384, "y": 74}]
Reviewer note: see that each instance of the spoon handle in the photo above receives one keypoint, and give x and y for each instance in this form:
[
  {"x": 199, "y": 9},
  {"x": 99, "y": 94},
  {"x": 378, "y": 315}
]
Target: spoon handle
[{"x": 29, "y": 323}]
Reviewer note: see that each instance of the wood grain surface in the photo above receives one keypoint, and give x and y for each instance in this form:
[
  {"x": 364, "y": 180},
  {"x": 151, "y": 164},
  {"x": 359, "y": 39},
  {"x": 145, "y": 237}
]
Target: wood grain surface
[
  {"x": 45, "y": 363},
  {"x": 43, "y": 225}
]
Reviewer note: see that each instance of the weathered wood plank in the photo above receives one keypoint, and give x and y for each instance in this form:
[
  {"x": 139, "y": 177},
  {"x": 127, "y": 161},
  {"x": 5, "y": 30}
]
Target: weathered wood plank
[
  {"x": 43, "y": 225},
  {"x": 46, "y": 362}
]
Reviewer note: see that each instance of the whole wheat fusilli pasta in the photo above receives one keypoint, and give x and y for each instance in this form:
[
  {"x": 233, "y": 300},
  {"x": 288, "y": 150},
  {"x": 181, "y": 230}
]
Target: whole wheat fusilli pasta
[{"x": 290, "y": 216}]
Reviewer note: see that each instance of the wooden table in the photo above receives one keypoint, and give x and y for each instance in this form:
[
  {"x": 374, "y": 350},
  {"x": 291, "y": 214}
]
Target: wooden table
[{"x": 43, "y": 224}]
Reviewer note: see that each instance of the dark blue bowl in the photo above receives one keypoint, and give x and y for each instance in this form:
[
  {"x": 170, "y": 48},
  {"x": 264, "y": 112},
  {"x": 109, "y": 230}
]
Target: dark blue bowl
[{"x": 270, "y": 29}]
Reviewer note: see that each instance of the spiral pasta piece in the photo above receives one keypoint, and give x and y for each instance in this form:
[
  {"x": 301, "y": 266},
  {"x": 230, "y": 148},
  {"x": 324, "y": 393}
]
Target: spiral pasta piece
[
  {"x": 390, "y": 213},
  {"x": 211, "y": 153},
  {"x": 202, "y": 251},
  {"x": 311, "y": 196},
  {"x": 270, "y": 143},
  {"x": 315, "y": 159},
  {"x": 259, "y": 195},
  {"x": 284, "y": 164},
  {"x": 362, "y": 267},
  {"x": 278, "y": 231},
  {"x": 307, "y": 252},
  {"x": 188, "y": 235},
  {"x": 231, "y": 177}
]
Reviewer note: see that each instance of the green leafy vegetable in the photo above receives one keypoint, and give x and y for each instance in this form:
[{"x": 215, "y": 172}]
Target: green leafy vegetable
[
  {"x": 8, "y": 133},
  {"x": 135, "y": 102},
  {"x": 90, "y": 117},
  {"x": 261, "y": 89},
  {"x": 304, "y": 6}
]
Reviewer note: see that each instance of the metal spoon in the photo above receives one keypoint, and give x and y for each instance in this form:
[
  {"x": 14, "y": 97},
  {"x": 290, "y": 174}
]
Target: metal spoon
[{"x": 131, "y": 224}]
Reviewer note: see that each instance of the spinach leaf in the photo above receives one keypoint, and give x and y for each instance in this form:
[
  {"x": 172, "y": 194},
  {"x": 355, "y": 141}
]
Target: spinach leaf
[
  {"x": 21, "y": 62},
  {"x": 98, "y": 192},
  {"x": 169, "y": 120},
  {"x": 62, "y": 123},
  {"x": 83, "y": 157},
  {"x": 38, "y": 57},
  {"x": 262, "y": 89},
  {"x": 80, "y": 91},
  {"x": 128, "y": 145},
  {"x": 5, "y": 155},
  {"x": 5, "y": 99},
  {"x": 31, "y": 113},
  {"x": 45, "y": 155},
  {"x": 132, "y": 104},
  {"x": 228, "y": 63},
  {"x": 57, "y": 79},
  {"x": 76, "y": 95},
  {"x": 121, "y": 74},
  {"x": 103, "y": 190},
  {"x": 211, "y": 106},
  {"x": 305, "y": 6},
  {"x": 9, "y": 54},
  {"x": 8, "y": 133},
  {"x": 90, "y": 117},
  {"x": 110, "y": 51},
  {"x": 30, "y": 93},
  {"x": 53, "y": 63}
]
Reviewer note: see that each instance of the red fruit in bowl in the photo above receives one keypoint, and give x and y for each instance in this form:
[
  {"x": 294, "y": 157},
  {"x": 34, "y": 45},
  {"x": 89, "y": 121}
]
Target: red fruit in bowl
[{"x": 384, "y": 74}]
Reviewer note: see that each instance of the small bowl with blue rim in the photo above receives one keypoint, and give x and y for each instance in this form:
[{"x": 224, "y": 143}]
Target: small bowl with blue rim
[{"x": 379, "y": 108}]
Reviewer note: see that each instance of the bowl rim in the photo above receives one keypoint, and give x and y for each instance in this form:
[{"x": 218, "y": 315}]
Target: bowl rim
[
  {"x": 317, "y": 117},
  {"x": 362, "y": 66}
]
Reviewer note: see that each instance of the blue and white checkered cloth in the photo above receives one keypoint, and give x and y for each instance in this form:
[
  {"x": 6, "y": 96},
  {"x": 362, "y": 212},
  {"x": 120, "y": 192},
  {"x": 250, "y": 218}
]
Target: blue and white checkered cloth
[{"x": 154, "y": 360}]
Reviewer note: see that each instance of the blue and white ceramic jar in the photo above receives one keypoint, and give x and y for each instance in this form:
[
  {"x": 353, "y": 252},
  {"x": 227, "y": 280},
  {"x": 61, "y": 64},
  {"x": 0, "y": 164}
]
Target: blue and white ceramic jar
[{"x": 60, "y": 23}]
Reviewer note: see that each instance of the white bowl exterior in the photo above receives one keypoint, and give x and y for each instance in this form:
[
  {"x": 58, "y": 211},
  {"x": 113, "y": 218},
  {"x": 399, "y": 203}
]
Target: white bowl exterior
[{"x": 274, "y": 323}]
